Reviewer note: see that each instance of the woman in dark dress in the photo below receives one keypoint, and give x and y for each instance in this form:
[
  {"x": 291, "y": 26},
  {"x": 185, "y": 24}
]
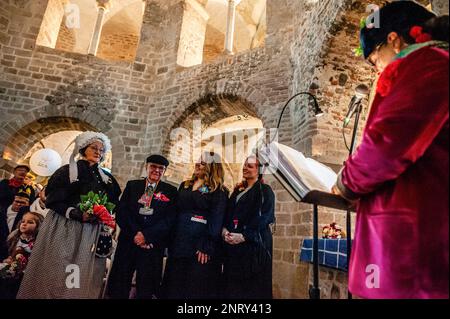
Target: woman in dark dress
[
  {"x": 67, "y": 260},
  {"x": 193, "y": 266},
  {"x": 247, "y": 222}
]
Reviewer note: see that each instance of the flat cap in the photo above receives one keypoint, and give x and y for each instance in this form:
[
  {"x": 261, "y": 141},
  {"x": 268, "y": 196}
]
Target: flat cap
[{"x": 158, "y": 159}]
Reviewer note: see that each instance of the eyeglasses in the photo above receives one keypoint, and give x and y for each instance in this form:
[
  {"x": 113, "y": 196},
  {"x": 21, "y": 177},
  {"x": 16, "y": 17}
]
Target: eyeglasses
[
  {"x": 157, "y": 167},
  {"x": 98, "y": 150},
  {"x": 374, "y": 54},
  {"x": 20, "y": 202}
]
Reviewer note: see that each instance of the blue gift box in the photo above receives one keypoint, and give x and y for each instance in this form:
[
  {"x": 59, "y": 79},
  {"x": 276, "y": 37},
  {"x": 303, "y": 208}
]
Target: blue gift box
[{"x": 332, "y": 252}]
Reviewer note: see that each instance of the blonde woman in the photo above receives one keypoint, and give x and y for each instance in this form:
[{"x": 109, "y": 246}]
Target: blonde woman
[{"x": 193, "y": 267}]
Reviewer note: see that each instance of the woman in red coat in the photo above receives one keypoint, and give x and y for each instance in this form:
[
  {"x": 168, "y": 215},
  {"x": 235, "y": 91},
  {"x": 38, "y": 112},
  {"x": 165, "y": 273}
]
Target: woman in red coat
[{"x": 400, "y": 171}]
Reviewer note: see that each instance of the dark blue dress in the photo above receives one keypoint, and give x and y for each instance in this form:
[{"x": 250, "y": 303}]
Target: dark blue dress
[{"x": 198, "y": 228}]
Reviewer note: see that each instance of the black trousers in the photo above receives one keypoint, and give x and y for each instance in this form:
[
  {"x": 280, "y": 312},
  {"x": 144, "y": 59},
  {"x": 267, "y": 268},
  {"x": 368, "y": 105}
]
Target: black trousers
[
  {"x": 186, "y": 278},
  {"x": 148, "y": 265}
]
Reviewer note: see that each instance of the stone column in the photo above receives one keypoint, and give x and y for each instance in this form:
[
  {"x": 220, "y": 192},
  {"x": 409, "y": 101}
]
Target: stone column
[
  {"x": 102, "y": 6},
  {"x": 231, "y": 23}
]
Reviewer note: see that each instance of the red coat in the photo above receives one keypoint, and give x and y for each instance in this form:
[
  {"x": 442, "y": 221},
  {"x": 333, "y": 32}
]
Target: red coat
[{"x": 401, "y": 172}]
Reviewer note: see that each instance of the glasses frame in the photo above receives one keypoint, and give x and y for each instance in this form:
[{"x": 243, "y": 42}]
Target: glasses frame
[{"x": 377, "y": 48}]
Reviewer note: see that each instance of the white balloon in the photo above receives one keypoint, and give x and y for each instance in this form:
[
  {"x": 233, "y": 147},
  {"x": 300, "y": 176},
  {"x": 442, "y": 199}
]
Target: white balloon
[{"x": 45, "y": 162}]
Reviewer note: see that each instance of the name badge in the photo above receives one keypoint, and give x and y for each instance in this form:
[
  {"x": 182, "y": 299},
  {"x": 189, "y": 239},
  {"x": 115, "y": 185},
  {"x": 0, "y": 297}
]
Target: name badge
[
  {"x": 199, "y": 220},
  {"x": 146, "y": 211}
]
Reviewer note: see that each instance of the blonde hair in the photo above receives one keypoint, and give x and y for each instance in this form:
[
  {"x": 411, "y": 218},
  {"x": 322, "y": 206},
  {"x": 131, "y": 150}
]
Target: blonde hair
[{"x": 214, "y": 172}]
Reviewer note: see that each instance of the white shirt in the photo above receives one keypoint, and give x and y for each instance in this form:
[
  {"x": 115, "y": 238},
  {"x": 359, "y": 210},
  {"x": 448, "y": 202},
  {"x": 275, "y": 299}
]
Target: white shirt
[{"x": 36, "y": 208}]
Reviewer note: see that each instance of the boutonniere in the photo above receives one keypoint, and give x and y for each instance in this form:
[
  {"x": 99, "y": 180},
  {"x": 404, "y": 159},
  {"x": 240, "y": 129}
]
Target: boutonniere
[
  {"x": 204, "y": 189},
  {"x": 240, "y": 187},
  {"x": 161, "y": 197},
  {"x": 388, "y": 77}
]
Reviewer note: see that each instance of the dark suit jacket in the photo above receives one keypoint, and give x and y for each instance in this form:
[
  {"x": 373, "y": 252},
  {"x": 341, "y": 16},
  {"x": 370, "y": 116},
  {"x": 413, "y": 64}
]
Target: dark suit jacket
[{"x": 156, "y": 228}]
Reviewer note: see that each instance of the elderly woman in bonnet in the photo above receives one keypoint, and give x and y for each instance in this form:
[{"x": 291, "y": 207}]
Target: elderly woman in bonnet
[{"x": 68, "y": 243}]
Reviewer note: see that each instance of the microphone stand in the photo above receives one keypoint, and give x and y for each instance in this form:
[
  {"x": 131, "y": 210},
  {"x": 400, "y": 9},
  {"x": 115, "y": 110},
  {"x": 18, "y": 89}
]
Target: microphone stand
[
  {"x": 314, "y": 291},
  {"x": 349, "y": 216}
]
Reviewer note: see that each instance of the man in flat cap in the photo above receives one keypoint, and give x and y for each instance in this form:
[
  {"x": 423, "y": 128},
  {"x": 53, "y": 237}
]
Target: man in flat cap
[{"x": 145, "y": 215}]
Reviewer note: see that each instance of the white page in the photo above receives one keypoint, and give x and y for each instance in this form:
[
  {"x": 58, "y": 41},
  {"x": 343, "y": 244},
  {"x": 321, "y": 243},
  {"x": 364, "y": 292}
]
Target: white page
[{"x": 314, "y": 175}]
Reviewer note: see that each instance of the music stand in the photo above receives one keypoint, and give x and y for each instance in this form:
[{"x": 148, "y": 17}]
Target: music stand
[{"x": 317, "y": 198}]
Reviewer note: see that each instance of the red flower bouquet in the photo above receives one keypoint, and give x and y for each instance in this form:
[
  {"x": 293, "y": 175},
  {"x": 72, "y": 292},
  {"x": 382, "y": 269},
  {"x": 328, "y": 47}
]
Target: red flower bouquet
[{"x": 98, "y": 205}]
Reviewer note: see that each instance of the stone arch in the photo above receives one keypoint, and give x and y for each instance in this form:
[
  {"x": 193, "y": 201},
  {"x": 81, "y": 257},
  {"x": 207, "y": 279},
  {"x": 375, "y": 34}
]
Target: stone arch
[
  {"x": 255, "y": 99},
  {"x": 120, "y": 34},
  {"x": 24, "y": 139},
  {"x": 64, "y": 112},
  {"x": 210, "y": 109}
]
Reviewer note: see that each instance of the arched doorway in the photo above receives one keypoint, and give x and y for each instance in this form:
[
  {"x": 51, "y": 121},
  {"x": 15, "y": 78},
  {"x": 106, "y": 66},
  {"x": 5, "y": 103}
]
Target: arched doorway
[
  {"x": 57, "y": 133},
  {"x": 228, "y": 126}
]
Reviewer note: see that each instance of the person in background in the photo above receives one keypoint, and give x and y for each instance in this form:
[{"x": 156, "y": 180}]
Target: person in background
[
  {"x": 10, "y": 217},
  {"x": 20, "y": 246},
  {"x": 15, "y": 211},
  {"x": 193, "y": 265},
  {"x": 146, "y": 213},
  {"x": 251, "y": 211},
  {"x": 399, "y": 175},
  {"x": 30, "y": 180},
  {"x": 9, "y": 187},
  {"x": 38, "y": 205}
]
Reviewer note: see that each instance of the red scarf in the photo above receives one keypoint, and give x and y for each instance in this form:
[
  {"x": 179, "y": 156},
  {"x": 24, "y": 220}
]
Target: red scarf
[{"x": 15, "y": 183}]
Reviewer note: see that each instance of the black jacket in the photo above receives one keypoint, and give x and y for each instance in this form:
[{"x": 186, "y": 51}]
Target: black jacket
[
  {"x": 61, "y": 194},
  {"x": 156, "y": 228},
  {"x": 246, "y": 214},
  {"x": 6, "y": 193},
  {"x": 192, "y": 235}
]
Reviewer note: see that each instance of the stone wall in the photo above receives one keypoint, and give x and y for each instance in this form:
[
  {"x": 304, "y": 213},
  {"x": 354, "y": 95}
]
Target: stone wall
[
  {"x": 440, "y": 6},
  {"x": 118, "y": 47},
  {"x": 66, "y": 38}
]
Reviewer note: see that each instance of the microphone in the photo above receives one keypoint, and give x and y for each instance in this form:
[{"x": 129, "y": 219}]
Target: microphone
[{"x": 361, "y": 92}]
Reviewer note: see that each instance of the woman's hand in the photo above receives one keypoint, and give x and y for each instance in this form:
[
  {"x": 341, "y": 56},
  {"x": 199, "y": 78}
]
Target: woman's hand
[
  {"x": 335, "y": 190},
  {"x": 225, "y": 232},
  {"x": 89, "y": 218},
  {"x": 234, "y": 238},
  {"x": 202, "y": 257},
  {"x": 139, "y": 239}
]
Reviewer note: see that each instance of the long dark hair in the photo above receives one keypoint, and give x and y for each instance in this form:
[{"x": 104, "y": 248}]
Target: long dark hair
[{"x": 400, "y": 17}]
